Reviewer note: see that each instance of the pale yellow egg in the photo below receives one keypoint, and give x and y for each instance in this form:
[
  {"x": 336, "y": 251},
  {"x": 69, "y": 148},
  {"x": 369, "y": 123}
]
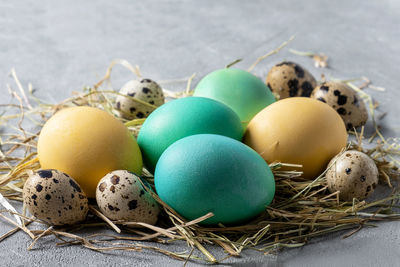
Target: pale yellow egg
[
  {"x": 87, "y": 143},
  {"x": 298, "y": 130}
]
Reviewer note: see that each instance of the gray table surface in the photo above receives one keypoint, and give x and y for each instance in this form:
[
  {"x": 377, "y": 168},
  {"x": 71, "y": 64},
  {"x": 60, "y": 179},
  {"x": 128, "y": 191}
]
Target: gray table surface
[{"x": 61, "y": 46}]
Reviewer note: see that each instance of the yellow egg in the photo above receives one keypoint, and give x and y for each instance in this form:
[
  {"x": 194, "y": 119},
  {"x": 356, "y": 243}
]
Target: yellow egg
[
  {"x": 87, "y": 143},
  {"x": 298, "y": 130}
]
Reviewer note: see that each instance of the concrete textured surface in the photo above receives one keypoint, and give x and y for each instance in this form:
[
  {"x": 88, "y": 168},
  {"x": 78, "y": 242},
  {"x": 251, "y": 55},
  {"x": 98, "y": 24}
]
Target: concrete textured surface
[{"x": 61, "y": 46}]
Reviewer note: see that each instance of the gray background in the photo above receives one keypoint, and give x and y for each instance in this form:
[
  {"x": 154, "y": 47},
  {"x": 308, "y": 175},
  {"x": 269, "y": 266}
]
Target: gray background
[{"x": 61, "y": 46}]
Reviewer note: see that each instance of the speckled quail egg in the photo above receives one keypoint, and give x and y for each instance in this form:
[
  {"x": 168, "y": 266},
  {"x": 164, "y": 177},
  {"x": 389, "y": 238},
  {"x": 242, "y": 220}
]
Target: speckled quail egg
[
  {"x": 145, "y": 90},
  {"x": 344, "y": 100},
  {"x": 121, "y": 196},
  {"x": 288, "y": 79},
  {"x": 354, "y": 174},
  {"x": 55, "y": 197}
]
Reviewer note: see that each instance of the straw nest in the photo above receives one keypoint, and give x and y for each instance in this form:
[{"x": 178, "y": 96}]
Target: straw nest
[{"x": 302, "y": 208}]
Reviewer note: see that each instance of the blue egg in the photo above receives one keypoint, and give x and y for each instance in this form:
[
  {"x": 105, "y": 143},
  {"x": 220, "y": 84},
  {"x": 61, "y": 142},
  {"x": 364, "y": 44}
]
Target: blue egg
[{"x": 213, "y": 173}]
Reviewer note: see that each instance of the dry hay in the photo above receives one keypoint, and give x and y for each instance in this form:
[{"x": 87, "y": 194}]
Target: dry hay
[{"x": 301, "y": 209}]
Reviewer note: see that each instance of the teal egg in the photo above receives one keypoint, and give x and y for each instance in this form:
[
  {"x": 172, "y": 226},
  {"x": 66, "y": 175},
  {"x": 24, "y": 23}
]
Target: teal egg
[
  {"x": 243, "y": 92},
  {"x": 213, "y": 173},
  {"x": 184, "y": 117}
]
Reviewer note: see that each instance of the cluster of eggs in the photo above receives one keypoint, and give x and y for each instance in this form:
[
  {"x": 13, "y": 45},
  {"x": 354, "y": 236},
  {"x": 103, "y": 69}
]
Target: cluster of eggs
[
  {"x": 56, "y": 198},
  {"x": 354, "y": 174},
  {"x": 288, "y": 79},
  {"x": 208, "y": 153},
  {"x": 86, "y": 152},
  {"x": 138, "y": 99}
]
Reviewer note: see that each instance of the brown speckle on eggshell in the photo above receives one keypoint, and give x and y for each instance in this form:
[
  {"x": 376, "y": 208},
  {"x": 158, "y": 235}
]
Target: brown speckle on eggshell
[
  {"x": 344, "y": 100},
  {"x": 145, "y": 90},
  {"x": 55, "y": 197},
  {"x": 121, "y": 196},
  {"x": 288, "y": 79},
  {"x": 354, "y": 174}
]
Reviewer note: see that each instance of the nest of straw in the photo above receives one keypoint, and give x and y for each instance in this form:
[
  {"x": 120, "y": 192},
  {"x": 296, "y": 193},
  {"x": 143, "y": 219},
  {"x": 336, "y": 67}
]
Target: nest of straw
[{"x": 302, "y": 208}]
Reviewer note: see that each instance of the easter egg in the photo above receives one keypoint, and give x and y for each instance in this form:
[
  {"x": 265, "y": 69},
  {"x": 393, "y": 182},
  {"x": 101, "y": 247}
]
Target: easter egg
[
  {"x": 183, "y": 117},
  {"x": 213, "y": 173},
  {"x": 55, "y": 197},
  {"x": 87, "y": 143},
  {"x": 146, "y": 91},
  {"x": 120, "y": 195},
  {"x": 298, "y": 130},
  {"x": 245, "y": 93}
]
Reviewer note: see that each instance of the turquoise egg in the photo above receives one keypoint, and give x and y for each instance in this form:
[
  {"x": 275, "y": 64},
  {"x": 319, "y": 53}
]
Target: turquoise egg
[
  {"x": 184, "y": 117},
  {"x": 243, "y": 92},
  {"x": 213, "y": 173}
]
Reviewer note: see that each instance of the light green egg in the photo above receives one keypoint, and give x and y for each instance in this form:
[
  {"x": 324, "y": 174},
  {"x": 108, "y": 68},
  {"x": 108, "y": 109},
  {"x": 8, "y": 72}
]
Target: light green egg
[{"x": 243, "y": 92}]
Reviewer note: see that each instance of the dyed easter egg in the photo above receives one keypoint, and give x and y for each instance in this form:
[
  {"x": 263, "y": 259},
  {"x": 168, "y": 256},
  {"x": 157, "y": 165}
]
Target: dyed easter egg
[
  {"x": 87, "y": 143},
  {"x": 212, "y": 173},
  {"x": 298, "y": 130},
  {"x": 184, "y": 117},
  {"x": 245, "y": 93}
]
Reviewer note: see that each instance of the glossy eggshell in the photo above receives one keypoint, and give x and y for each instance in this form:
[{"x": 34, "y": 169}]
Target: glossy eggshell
[
  {"x": 120, "y": 195},
  {"x": 55, "y": 197},
  {"x": 212, "y": 173},
  {"x": 87, "y": 143},
  {"x": 245, "y": 93},
  {"x": 298, "y": 130},
  {"x": 184, "y": 117}
]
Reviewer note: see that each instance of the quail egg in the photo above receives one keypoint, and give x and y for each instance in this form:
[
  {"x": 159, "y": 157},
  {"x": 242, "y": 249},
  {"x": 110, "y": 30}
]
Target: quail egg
[
  {"x": 121, "y": 196},
  {"x": 344, "y": 100},
  {"x": 55, "y": 197},
  {"x": 354, "y": 174},
  {"x": 288, "y": 79},
  {"x": 145, "y": 90}
]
